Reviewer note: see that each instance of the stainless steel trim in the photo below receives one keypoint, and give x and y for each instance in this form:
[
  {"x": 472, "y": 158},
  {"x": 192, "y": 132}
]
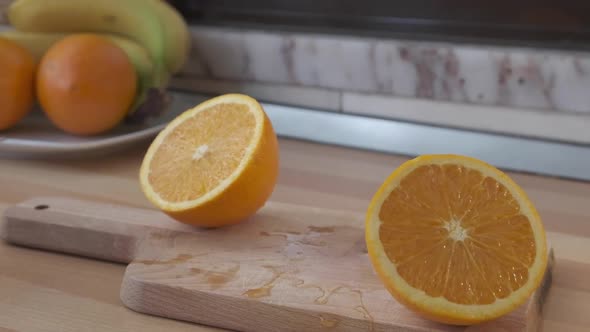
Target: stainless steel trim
[{"x": 410, "y": 139}]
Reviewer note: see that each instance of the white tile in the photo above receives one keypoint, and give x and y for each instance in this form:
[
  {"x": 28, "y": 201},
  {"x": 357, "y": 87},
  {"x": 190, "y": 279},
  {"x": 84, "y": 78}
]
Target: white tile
[
  {"x": 334, "y": 63},
  {"x": 571, "y": 81},
  {"x": 223, "y": 53},
  {"x": 550, "y": 125}
]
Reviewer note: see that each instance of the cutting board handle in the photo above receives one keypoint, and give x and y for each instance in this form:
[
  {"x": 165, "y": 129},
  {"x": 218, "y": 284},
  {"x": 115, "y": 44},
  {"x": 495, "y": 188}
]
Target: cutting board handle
[{"x": 98, "y": 230}]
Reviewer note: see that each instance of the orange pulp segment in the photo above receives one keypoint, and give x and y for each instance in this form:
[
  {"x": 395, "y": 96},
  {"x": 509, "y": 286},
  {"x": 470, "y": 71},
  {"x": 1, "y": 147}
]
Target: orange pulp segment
[{"x": 455, "y": 239}]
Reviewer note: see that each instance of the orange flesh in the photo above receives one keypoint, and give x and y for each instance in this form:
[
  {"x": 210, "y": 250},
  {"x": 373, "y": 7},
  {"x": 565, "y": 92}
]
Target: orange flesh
[
  {"x": 452, "y": 232},
  {"x": 191, "y": 164}
]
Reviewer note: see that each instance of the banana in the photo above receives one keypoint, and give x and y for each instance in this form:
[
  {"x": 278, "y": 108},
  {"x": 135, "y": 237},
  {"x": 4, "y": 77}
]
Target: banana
[
  {"x": 39, "y": 43},
  {"x": 36, "y": 43},
  {"x": 143, "y": 64},
  {"x": 176, "y": 35},
  {"x": 128, "y": 18}
]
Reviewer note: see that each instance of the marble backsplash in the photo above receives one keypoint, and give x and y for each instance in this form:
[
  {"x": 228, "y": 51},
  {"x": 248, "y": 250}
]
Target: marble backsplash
[{"x": 546, "y": 80}]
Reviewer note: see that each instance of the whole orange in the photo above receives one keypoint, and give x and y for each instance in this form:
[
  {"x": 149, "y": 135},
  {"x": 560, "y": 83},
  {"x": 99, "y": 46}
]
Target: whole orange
[
  {"x": 86, "y": 84},
  {"x": 17, "y": 83}
]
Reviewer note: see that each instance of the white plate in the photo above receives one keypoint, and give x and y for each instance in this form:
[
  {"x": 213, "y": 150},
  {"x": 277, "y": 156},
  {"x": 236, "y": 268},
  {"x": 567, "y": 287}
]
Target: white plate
[{"x": 35, "y": 136}]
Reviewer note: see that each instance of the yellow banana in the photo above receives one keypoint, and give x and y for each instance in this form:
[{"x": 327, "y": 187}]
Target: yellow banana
[
  {"x": 143, "y": 66},
  {"x": 176, "y": 35},
  {"x": 39, "y": 43},
  {"x": 130, "y": 18},
  {"x": 36, "y": 43},
  {"x": 151, "y": 99}
]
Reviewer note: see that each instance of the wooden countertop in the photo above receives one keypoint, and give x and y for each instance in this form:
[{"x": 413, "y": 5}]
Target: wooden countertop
[{"x": 43, "y": 291}]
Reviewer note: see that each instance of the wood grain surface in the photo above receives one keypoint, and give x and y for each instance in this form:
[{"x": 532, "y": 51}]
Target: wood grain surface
[
  {"x": 44, "y": 291},
  {"x": 307, "y": 268}
]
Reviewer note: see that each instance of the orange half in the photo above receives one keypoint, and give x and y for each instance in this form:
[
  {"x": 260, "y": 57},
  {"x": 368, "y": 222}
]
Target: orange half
[
  {"x": 455, "y": 239},
  {"x": 215, "y": 164}
]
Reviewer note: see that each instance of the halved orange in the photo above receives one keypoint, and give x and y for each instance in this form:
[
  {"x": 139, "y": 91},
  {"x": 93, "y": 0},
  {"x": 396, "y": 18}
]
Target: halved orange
[
  {"x": 215, "y": 164},
  {"x": 455, "y": 239}
]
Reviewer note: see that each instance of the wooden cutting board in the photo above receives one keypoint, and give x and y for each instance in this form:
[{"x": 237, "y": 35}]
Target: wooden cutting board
[{"x": 289, "y": 268}]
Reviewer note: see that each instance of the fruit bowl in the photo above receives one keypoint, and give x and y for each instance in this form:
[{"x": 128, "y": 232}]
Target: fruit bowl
[{"x": 36, "y": 137}]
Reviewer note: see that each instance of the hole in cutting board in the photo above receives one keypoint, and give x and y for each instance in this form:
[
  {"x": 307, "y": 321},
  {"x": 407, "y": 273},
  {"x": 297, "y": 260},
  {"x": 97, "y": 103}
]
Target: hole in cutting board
[{"x": 41, "y": 207}]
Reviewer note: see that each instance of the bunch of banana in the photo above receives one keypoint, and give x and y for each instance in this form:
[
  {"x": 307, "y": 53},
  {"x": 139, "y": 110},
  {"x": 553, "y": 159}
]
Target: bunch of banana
[{"x": 152, "y": 33}]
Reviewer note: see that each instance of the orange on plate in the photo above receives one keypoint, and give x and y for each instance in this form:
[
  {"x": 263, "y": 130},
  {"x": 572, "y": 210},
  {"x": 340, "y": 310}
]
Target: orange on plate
[
  {"x": 455, "y": 239},
  {"x": 86, "y": 84},
  {"x": 17, "y": 83},
  {"x": 215, "y": 164}
]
